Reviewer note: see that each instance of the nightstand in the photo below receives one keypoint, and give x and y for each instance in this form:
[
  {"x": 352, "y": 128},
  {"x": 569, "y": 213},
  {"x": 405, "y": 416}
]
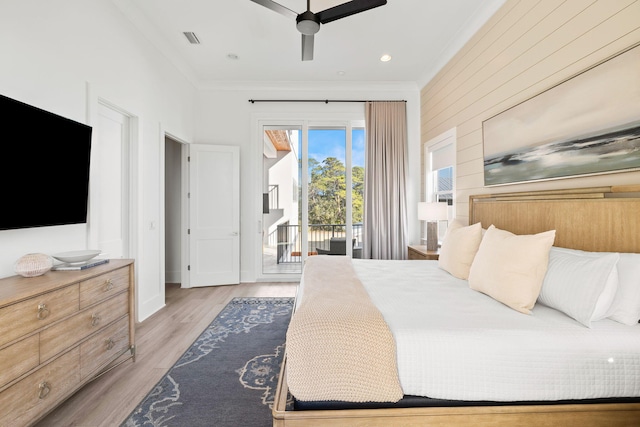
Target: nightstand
[{"x": 420, "y": 252}]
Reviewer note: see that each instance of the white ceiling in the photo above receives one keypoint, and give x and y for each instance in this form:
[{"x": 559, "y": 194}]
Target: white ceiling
[{"x": 420, "y": 35}]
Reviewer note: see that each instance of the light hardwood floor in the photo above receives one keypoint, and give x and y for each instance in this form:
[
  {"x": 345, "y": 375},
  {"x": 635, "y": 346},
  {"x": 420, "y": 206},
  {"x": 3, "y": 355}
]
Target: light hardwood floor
[{"x": 160, "y": 341}]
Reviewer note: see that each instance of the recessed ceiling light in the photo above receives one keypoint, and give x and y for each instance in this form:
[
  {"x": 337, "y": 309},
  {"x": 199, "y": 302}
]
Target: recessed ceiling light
[
  {"x": 385, "y": 58},
  {"x": 232, "y": 56},
  {"x": 341, "y": 73}
]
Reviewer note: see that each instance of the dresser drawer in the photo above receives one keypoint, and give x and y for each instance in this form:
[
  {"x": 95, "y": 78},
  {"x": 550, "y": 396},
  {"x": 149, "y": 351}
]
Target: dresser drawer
[
  {"x": 62, "y": 335},
  {"x": 19, "y": 319},
  {"x": 18, "y": 358},
  {"x": 33, "y": 396},
  {"x": 104, "y": 347},
  {"x": 102, "y": 287}
]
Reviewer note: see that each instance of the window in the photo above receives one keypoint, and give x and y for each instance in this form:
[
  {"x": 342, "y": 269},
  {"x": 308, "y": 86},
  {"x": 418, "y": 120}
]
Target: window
[{"x": 442, "y": 180}]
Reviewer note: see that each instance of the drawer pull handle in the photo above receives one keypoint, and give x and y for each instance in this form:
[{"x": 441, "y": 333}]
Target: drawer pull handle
[
  {"x": 110, "y": 343},
  {"x": 43, "y": 311},
  {"x": 45, "y": 388},
  {"x": 108, "y": 285},
  {"x": 95, "y": 319}
]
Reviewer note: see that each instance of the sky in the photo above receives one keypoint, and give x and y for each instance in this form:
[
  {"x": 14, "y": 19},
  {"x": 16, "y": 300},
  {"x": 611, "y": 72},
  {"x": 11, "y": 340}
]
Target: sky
[{"x": 325, "y": 143}]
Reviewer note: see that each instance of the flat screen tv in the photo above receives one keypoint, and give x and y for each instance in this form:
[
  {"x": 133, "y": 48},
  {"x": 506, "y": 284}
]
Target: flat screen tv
[{"x": 44, "y": 167}]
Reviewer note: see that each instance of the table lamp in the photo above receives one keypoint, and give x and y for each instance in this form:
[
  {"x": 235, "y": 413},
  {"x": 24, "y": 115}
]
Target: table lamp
[{"x": 432, "y": 212}]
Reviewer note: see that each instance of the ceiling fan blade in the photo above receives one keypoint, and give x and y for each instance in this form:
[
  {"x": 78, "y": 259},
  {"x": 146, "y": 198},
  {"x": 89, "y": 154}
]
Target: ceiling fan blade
[
  {"x": 307, "y": 47},
  {"x": 277, "y": 7},
  {"x": 347, "y": 9}
]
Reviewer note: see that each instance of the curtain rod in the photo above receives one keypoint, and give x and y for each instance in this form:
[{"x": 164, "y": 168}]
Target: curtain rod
[{"x": 326, "y": 101}]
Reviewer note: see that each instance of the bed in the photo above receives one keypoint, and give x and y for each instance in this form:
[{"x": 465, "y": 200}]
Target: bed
[{"x": 604, "y": 219}]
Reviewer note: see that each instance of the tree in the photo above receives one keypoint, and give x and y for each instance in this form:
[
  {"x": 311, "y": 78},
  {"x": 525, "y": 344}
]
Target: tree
[
  {"x": 357, "y": 195},
  {"x": 328, "y": 193}
]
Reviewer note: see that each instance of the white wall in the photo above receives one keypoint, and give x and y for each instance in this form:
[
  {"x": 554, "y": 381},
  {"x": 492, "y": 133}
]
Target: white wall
[
  {"x": 58, "y": 54},
  {"x": 225, "y": 116},
  {"x": 281, "y": 171}
]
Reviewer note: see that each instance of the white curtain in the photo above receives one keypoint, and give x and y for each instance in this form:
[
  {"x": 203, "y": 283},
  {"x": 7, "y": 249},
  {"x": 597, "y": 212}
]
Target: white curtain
[{"x": 385, "y": 202}]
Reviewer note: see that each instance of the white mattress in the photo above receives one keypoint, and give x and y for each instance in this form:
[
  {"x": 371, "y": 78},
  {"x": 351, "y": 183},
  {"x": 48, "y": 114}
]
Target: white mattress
[{"x": 455, "y": 343}]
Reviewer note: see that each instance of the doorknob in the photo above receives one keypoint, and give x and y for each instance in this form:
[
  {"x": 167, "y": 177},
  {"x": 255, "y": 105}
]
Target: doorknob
[{"x": 235, "y": 233}]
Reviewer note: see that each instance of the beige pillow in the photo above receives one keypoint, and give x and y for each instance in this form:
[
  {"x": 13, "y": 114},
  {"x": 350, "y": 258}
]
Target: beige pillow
[
  {"x": 459, "y": 247},
  {"x": 511, "y": 268}
]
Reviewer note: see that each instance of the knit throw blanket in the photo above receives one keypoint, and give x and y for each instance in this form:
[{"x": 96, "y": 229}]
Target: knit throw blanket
[{"x": 338, "y": 344}]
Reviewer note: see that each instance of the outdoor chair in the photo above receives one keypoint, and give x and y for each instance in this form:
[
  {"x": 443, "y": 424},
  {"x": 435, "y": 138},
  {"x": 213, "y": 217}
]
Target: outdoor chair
[{"x": 337, "y": 246}]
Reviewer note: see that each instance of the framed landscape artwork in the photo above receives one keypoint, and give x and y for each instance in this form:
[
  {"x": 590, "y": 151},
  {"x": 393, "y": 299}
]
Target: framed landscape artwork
[{"x": 589, "y": 124}]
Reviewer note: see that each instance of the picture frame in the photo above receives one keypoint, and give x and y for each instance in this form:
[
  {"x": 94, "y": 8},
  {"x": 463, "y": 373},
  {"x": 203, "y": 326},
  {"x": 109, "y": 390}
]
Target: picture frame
[{"x": 588, "y": 124}]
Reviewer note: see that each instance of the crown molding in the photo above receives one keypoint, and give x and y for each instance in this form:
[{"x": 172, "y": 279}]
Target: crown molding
[{"x": 310, "y": 86}]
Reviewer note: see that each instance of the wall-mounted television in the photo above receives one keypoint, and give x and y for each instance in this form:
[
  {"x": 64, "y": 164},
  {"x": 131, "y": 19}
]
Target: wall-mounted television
[{"x": 44, "y": 167}]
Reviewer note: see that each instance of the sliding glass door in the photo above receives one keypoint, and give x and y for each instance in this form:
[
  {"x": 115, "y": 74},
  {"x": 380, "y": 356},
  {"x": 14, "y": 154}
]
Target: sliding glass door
[
  {"x": 281, "y": 202},
  {"x": 313, "y": 188}
]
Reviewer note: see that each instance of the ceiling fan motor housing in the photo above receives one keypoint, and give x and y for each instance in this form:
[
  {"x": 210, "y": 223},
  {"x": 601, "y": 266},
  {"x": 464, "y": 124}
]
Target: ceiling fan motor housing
[{"x": 308, "y": 23}]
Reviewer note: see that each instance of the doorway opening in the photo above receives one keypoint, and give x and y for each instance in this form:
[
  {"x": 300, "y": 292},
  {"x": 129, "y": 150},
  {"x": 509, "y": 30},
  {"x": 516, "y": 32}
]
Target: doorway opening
[
  {"x": 173, "y": 187},
  {"x": 201, "y": 214},
  {"x": 312, "y": 193}
]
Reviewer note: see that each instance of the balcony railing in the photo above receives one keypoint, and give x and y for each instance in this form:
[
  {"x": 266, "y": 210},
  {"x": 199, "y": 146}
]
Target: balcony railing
[
  {"x": 274, "y": 197},
  {"x": 319, "y": 235}
]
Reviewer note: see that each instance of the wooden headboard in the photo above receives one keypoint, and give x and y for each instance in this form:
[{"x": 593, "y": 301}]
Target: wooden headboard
[{"x": 592, "y": 219}]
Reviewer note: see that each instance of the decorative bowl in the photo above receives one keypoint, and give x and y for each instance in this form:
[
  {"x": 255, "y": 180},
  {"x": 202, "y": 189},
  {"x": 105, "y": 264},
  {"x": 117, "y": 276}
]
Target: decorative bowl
[
  {"x": 31, "y": 265},
  {"x": 77, "y": 256}
]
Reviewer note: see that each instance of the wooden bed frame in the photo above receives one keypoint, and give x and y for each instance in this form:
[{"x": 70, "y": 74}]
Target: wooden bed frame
[{"x": 592, "y": 219}]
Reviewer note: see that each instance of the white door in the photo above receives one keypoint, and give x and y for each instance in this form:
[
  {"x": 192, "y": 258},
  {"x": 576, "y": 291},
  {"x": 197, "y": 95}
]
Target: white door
[
  {"x": 110, "y": 181},
  {"x": 214, "y": 215}
]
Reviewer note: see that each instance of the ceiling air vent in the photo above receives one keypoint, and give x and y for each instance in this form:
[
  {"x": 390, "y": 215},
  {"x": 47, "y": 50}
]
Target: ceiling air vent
[{"x": 193, "y": 39}]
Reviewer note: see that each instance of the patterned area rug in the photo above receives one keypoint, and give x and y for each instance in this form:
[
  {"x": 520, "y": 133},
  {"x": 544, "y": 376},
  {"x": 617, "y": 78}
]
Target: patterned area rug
[{"x": 228, "y": 376}]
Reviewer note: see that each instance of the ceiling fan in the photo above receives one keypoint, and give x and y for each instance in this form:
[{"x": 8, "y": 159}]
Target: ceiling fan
[{"x": 308, "y": 23}]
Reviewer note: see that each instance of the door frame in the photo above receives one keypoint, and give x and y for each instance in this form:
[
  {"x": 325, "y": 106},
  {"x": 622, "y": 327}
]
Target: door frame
[
  {"x": 93, "y": 237},
  {"x": 305, "y": 120},
  {"x": 94, "y": 98},
  {"x": 184, "y": 209}
]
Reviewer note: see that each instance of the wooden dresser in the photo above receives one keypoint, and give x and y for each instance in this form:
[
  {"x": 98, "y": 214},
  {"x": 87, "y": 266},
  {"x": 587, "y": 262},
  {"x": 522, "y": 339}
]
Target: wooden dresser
[{"x": 58, "y": 331}]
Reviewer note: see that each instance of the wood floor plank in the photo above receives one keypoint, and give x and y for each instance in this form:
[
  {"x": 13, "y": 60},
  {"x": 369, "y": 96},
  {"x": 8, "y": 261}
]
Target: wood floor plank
[{"x": 160, "y": 341}]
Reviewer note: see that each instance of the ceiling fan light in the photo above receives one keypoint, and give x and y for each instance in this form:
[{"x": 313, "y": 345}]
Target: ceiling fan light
[{"x": 307, "y": 23}]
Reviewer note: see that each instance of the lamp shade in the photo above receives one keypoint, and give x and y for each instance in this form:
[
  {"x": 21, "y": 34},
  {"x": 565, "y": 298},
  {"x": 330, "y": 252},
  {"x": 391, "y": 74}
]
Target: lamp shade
[{"x": 433, "y": 211}]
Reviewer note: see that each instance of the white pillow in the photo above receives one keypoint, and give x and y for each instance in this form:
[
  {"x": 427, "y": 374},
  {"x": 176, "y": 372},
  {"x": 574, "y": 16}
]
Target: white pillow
[
  {"x": 511, "y": 268},
  {"x": 459, "y": 247},
  {"x": 625, "y": 307},
  {"x": 604, "y": 305},
  {"x": 581, "y": 285},
  {"x": 626, "y": 304}
]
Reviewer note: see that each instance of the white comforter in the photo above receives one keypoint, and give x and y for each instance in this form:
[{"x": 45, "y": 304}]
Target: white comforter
[{"x": 455, "y": 343}]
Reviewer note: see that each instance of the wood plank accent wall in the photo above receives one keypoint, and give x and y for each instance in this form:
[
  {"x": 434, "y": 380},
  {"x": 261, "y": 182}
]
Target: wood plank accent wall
[{"x": 525, "y": 48}]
